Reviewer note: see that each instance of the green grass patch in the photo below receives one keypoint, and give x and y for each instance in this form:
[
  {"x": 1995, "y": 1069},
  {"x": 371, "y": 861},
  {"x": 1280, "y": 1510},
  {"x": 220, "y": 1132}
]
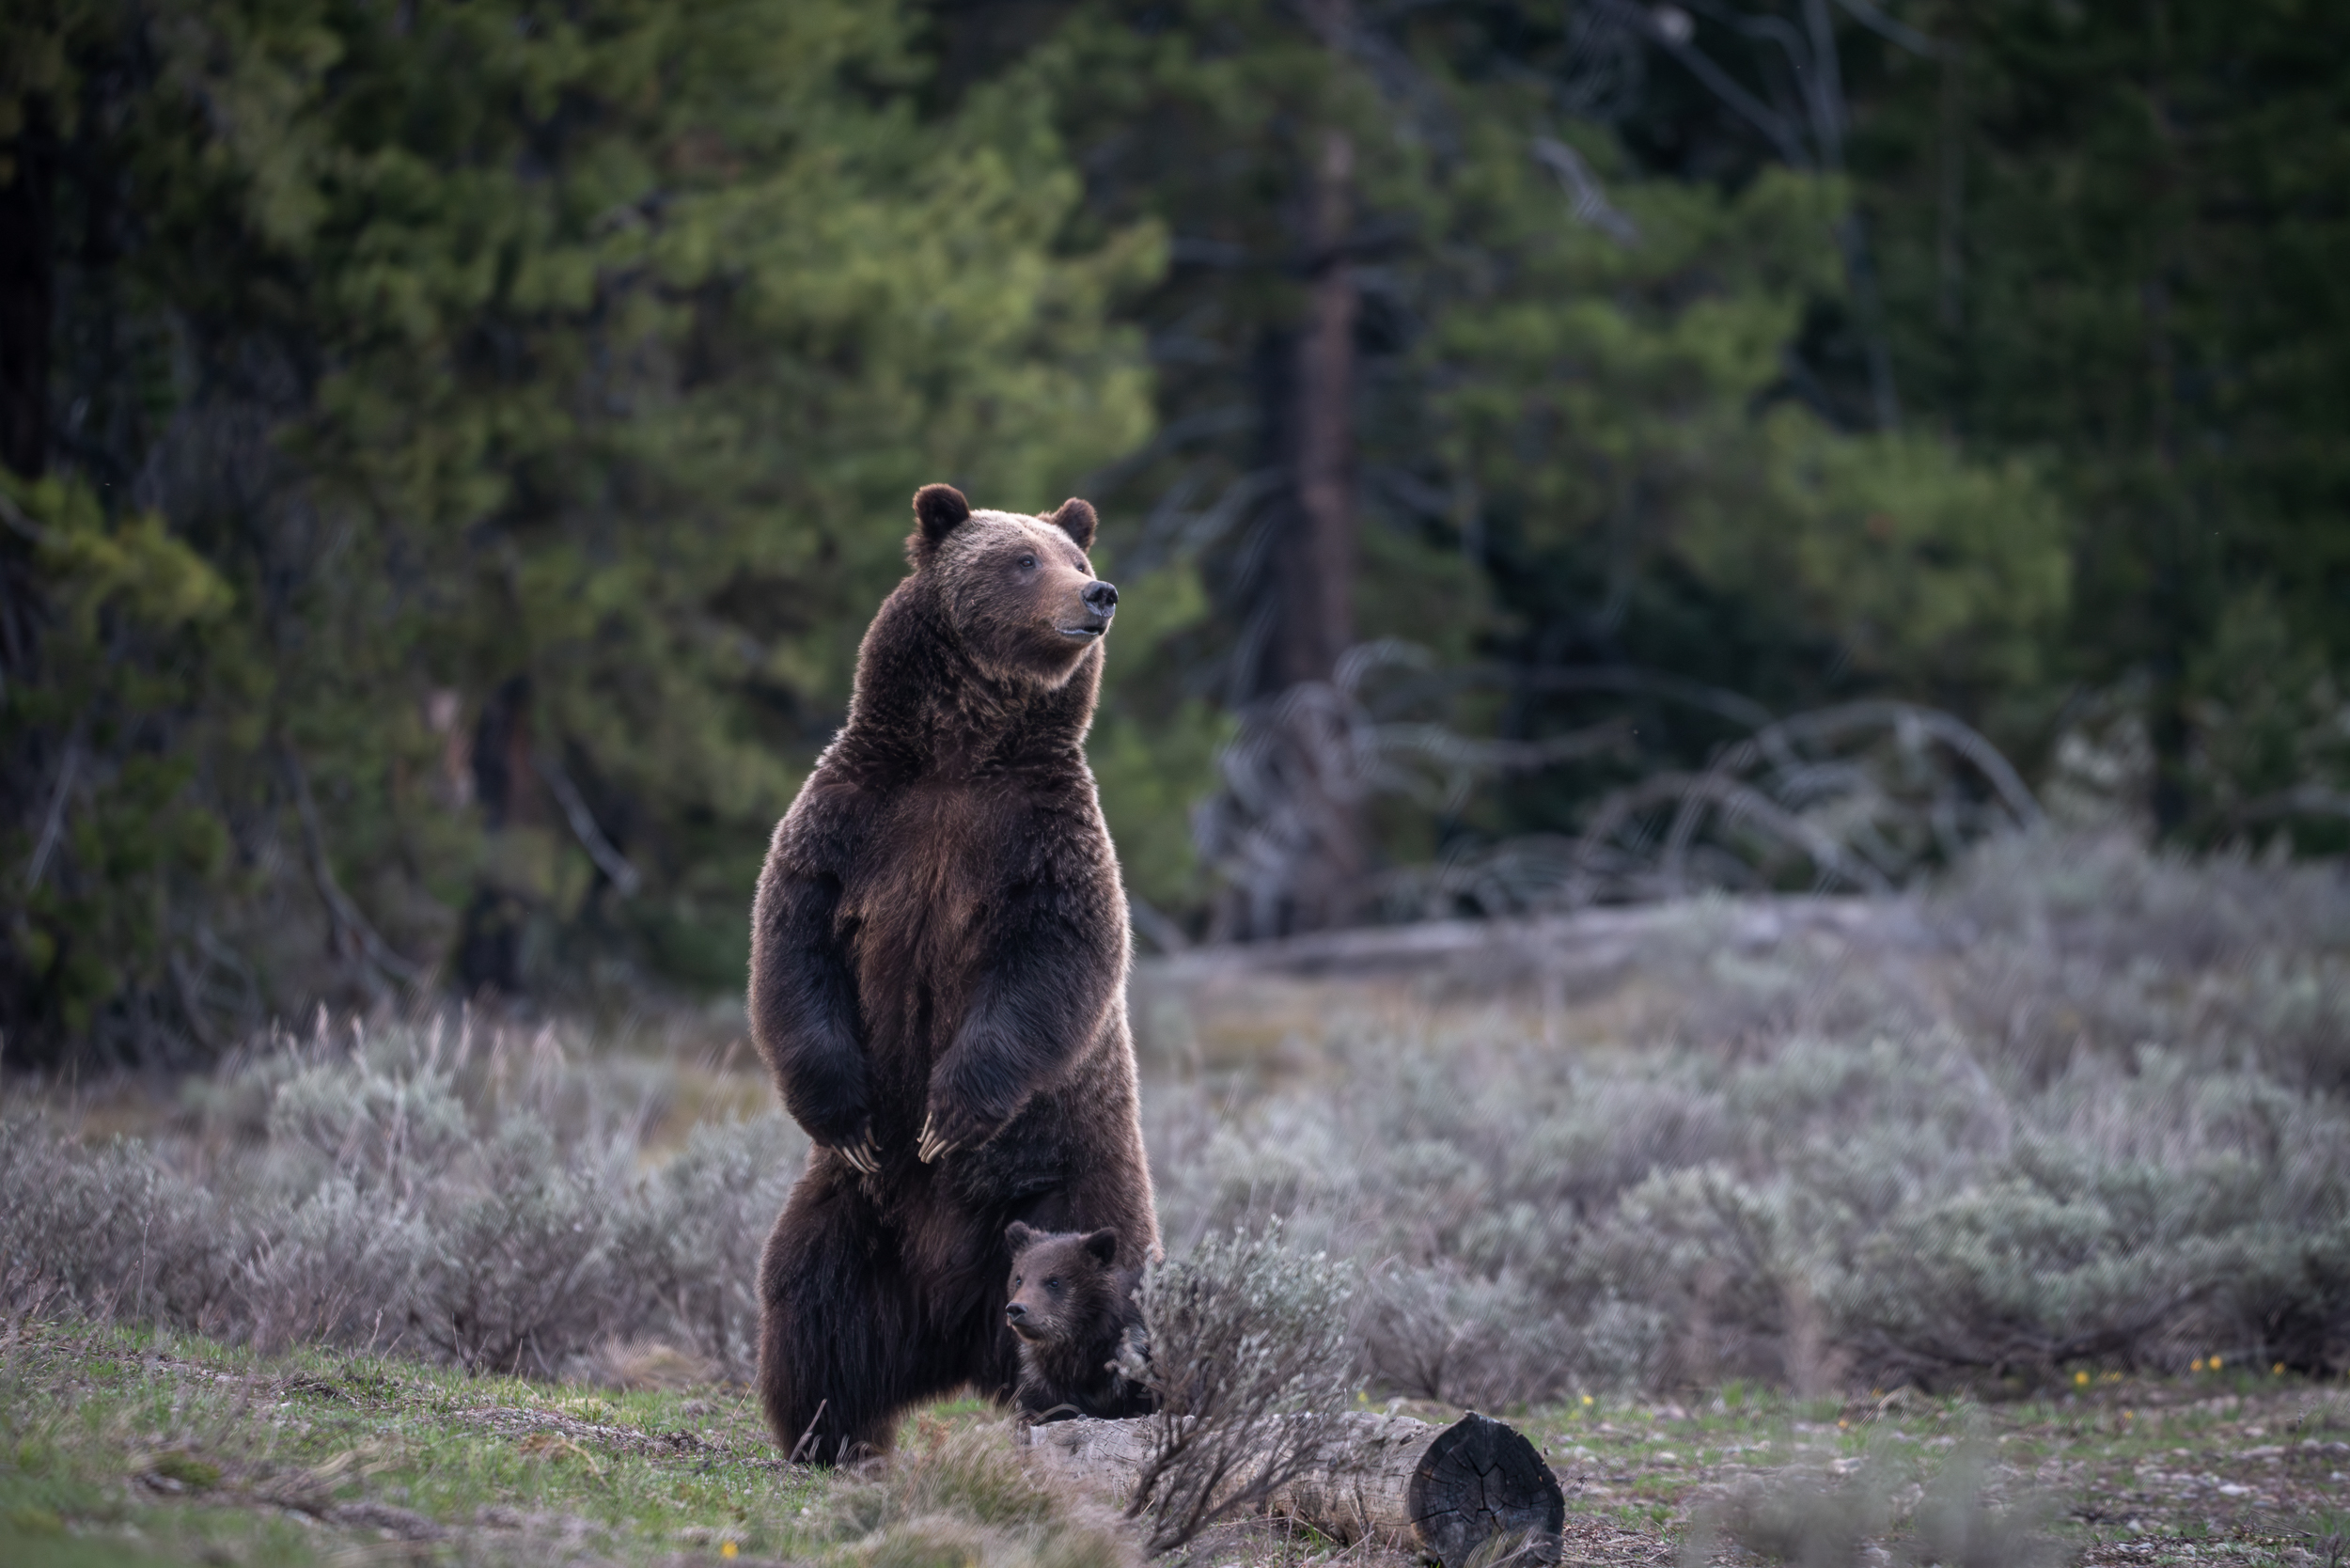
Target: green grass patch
[{"x": 141, "y": 1446}]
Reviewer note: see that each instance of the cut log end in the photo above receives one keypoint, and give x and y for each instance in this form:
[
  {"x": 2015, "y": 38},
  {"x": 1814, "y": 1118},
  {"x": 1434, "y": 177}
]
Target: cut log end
[{"x": 1481, "y": 1480}]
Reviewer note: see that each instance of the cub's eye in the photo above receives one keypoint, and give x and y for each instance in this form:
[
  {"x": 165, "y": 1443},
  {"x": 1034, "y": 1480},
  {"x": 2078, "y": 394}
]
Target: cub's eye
[
  {"x": 1015, "y": 1281},
  {"x": 1052, "y": 1284},
  {"x": 1027, "y": 563}
]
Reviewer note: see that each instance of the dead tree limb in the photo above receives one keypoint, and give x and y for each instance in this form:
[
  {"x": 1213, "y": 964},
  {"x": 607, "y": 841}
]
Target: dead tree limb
[{"x": 1439, "y": 1492}]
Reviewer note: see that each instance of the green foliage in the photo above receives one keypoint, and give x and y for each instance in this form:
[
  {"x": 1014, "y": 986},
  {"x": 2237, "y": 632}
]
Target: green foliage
[
  {"x": 2272, "y": 728},
  {"x": 480, "y": 434},
  {"x": 1942, "y": 576},
  {"x": 2101, "y": 249},
  {"x": 1601, "y": 395},
  {"x": 142, "y": 639},
  {"x": 550, "y": 389},
  {"x": 1588, "y": 376}
]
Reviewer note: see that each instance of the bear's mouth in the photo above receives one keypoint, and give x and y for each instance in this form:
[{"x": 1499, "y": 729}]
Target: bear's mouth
[
  {"x": 1027, "y": 1330},
  {"x": 1083, "y": 633}
]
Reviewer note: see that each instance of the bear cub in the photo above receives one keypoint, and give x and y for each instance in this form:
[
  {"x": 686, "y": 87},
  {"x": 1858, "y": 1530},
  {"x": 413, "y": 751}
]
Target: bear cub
[{"x": 1074, "y": 1309}]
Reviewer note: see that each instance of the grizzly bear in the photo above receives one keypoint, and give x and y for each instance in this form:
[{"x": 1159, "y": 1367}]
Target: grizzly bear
[
  {"x": 939, "y": 951},
  {"x": 1074, "y": 1310}
]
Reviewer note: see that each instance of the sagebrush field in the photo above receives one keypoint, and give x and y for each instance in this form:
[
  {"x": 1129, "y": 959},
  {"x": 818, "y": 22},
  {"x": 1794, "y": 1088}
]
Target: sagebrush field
[{"x": 2003, "y": 1223}]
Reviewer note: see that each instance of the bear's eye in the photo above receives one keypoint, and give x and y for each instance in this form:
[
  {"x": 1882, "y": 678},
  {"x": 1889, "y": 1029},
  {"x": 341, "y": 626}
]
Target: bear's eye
[
  {"x": 1027, "y": 563},
  {"x": 1015, "y": 1281},
  {"x": 1052, "y": 1284}
]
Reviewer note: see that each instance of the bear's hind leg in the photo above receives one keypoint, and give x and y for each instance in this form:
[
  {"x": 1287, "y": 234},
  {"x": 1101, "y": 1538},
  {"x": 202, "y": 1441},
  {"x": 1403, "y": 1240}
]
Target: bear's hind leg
[{"x": 841, "y": 1351}]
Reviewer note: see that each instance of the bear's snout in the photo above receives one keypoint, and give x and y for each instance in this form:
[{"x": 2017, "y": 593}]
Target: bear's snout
[{"x": 1101, "y": 598}]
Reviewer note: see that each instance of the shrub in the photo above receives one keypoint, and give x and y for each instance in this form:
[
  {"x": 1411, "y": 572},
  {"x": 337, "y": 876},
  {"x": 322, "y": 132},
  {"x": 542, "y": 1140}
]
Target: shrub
[
  {"x": 456, "y": 1194},
  {"x": 2083, "y": 1105},
  {"x": 1248, "y": 1355}
]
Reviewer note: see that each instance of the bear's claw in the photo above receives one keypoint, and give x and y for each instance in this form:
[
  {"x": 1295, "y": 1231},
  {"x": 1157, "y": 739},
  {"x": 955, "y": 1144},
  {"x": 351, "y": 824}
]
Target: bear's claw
[
  {"x": 863, "y": 1155},
  {"x": 933, "y": 1147}
]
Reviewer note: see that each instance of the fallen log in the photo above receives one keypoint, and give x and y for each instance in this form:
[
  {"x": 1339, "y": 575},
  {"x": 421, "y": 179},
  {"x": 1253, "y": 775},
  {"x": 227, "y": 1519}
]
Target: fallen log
[{"x": 1438, "y": 1492}]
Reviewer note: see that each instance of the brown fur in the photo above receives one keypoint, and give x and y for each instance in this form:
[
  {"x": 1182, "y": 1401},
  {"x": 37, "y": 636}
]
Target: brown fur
[
  {"x": 938, "y": 961},
  {"x": 1073, "y": 1308}
]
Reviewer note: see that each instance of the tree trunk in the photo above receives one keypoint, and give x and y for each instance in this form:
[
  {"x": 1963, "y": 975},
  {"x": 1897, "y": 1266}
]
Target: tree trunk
[
  {"x": 27, "y": 294},
  {"x": 1307, "y": 610},
  {"x": 490, "y": 946},
  {"x": 1438, "y": 1492},
  {"x": 1315, "y": 590}
]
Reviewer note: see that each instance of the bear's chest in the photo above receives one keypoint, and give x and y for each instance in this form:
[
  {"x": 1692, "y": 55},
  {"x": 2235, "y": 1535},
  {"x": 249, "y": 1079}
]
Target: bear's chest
[{"x": 936, "y": 862}]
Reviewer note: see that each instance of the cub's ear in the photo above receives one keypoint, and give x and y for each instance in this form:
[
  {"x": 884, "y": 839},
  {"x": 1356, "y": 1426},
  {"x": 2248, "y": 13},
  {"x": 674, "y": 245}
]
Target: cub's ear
[
  {"x": 938, "y": 509},
  {"x": 1017, "y": 1235},
  {"x": 1103, "y": 1244},
  {"x": 1075, "y": 519}
]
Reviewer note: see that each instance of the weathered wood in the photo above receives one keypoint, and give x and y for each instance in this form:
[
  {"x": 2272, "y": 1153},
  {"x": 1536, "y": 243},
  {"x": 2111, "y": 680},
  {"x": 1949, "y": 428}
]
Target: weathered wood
[
  {"x": 1588, "y": 942},
  {"x": 1441, "y": 1492}
]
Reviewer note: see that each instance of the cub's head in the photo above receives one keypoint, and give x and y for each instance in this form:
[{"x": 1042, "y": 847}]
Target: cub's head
[
  {"x": 1063, "y": 1281},
  {"x": 1019, "y": 590}
]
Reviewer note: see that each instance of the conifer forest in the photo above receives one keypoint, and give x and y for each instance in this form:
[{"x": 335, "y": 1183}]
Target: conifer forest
[{"x": 1550, "y": 454}]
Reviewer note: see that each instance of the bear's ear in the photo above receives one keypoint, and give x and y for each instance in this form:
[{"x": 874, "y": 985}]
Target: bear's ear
[
  {"x": 1103, "y": 1245},
  {"x": 938, "y": 509},
  {"x": 1017, "y": 1235},
  {"x": 1075, "y": 519}
]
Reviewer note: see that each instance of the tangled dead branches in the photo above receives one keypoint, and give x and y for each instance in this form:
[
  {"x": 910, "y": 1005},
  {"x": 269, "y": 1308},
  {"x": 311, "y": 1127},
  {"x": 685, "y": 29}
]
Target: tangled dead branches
[{"x": 1858, "y": 797}]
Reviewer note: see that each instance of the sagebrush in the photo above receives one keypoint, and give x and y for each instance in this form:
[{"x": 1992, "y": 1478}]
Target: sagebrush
[
  {"x": 2082, "y": 1106},
  {"x": 469, "y": 1195},
  {"x": 1247, "y": 1356}
]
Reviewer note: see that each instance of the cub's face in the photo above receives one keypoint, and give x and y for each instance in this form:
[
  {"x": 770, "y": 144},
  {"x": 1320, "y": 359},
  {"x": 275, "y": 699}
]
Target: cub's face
[
  {"x": 1019, "y": 589},
  {"x": 1060, "y": 1280}
]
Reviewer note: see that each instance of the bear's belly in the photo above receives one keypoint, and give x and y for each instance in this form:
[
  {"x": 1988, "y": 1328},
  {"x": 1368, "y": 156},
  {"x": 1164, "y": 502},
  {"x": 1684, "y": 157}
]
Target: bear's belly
[{"x": 921, "y": 919}]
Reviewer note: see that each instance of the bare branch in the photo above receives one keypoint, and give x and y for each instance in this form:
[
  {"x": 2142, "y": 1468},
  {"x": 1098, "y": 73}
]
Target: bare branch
[
  {"x": 608, "y": 860},
  {"x": 1783, "y": 136},
  {"x": 1899, "y": 32},
  {"x": 52, "y": 825},
  {"x": 347, "y": 927},
  {"x": 1588, "y": 197}
]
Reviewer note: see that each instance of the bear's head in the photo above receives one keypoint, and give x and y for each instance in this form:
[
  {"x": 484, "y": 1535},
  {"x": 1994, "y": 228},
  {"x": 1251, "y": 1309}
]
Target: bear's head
[
  {"x": 1063, "y": 1282},
  {"x": 1018, "y": 590}
]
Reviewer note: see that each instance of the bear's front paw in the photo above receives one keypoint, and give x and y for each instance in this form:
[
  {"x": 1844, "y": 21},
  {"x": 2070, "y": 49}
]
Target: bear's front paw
[
  {"x": 948, "y": 1128},
  {"x": 853, "y": 1142},
  {"x": 862, "y": 1154}
]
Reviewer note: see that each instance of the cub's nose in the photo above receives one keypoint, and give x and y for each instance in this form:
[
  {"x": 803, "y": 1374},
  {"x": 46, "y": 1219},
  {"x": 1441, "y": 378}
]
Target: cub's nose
[
  {"x": 1101, "y": 598},
  {"x": 1015, "y": 1313}
]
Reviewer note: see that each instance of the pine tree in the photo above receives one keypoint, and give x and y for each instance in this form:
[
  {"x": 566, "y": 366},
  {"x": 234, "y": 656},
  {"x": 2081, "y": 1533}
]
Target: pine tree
[{"x": 542, "y": 387}]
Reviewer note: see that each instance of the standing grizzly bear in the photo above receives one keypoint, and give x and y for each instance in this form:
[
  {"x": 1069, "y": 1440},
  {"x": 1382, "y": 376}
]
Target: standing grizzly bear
[{"x": 938, "y": 961}]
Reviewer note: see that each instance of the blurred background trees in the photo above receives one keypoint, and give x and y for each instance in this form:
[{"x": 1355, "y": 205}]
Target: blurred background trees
[{"x": 452, "y": 451}]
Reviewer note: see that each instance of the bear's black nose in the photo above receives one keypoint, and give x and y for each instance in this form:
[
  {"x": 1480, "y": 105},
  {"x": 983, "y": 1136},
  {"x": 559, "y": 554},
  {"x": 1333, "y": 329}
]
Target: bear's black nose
[
  {"x": 1015, "y": 1311},
  {"x": 1101, "y": 598}
]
